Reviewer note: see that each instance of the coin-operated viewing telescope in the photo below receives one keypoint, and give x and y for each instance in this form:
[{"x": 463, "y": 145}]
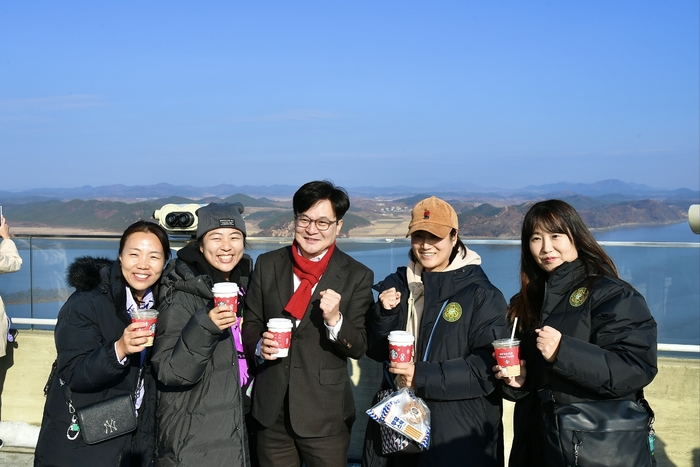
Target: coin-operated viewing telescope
[
  {"x": 179, "y": 221},
  {"x": 694, "y": 217}
]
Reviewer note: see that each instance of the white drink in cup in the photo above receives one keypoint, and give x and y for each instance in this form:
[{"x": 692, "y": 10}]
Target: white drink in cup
[
  {"x": 147, "y": 319},
  {"x": 226, "y": 293},
  {"x": 400, "y": 346},
  {"x": 282, "y": 330}
]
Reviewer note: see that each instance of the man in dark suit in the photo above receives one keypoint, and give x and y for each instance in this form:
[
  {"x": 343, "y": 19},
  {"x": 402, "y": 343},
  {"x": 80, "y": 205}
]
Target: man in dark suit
[{"x": 303, "y": 403}]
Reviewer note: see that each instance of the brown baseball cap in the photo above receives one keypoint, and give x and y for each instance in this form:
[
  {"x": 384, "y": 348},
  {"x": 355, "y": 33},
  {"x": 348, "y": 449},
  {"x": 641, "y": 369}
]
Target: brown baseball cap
[{"x": 435, "y": 216}]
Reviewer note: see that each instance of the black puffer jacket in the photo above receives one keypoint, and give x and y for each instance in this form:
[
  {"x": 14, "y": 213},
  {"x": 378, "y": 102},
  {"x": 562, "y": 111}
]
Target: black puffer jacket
[
  {"x": 456, "y": 381},
  {"x": 607, "y": 351},
  {"x": 89, "y": 323},
  {"x": 200, "y": 414}
]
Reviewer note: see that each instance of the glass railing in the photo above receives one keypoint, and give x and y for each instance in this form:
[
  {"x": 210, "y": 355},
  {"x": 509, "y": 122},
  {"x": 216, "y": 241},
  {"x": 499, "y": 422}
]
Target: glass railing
[{"x": 667, "y": 274}]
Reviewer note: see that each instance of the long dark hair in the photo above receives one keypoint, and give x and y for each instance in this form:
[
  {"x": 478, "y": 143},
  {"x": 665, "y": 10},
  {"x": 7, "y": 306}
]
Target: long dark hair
[{"x": 554, "y": 216}]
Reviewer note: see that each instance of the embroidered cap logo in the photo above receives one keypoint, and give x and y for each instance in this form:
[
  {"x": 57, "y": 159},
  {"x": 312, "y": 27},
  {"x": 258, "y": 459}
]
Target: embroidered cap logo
[{"x": 426, "y": 214}]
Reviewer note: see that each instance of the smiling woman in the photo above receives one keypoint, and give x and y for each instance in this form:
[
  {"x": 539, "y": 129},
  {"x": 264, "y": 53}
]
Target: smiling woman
[
  {"x": 585, "y": 336},
  {"x": 102, "y": 354},
  {"x": 142, "y": 260},
  {"x": 198, "y": 352},
  {"x": 444, "y": 299}
]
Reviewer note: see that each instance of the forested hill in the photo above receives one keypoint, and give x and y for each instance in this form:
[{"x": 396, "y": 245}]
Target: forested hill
[
  {"x": 106, "y": 216},
  {"x": 505, "y": 222},
  {"x": 266, "y": 217}
]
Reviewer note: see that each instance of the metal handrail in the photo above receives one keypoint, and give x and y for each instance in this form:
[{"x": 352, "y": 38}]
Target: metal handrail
[
  {"x": 685, "y": 348},
  {"x": 35, "y": 321}
]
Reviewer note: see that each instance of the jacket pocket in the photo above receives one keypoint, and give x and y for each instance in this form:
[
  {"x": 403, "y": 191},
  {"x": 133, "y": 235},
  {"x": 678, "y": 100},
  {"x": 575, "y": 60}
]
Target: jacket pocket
[{"x": 333, "y": 376}]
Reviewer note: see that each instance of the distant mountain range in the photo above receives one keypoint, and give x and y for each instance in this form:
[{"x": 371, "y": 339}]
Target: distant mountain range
[
  {"x": 613, "y": 189},
  {"x": 268, "y": 209}
]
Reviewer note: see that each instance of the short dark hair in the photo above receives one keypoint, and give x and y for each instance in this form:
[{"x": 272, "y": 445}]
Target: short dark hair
[
  {"x": 312, "y": 192},
  {"x": 147, "y": 227}
]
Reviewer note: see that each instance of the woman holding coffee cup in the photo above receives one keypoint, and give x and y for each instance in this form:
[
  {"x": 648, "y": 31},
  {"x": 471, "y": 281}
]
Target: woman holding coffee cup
[
  {"x": 435, "y": 320},
  {"x": 586, "y": 335},
  {"x": 198, "y": 353},
  {"x": 103, "y": 354}
]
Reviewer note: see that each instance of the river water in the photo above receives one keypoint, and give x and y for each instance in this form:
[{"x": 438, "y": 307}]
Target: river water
[{"x": 668, "y": 274}]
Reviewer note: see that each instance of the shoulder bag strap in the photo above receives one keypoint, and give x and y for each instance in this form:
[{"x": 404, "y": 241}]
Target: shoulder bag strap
[{"x": 430, "y": 339}]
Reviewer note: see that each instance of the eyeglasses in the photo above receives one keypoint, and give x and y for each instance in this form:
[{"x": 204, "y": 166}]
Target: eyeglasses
[{"x": 321, "y": 224}]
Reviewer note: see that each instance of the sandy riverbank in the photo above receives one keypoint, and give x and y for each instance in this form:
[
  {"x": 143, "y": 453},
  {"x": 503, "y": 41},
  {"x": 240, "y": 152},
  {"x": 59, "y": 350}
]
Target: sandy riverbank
[
  {"x": 382, "y": 228},
  {"x": 395, "y": 226}
]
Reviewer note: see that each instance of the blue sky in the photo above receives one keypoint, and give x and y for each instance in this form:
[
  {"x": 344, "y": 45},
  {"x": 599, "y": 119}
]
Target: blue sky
[{"x": 496, "y": 94}]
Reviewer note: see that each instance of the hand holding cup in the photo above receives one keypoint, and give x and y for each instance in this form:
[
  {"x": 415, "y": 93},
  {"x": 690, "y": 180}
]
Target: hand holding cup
[
  {"x": 222, "y": 316},
  {"x": 276, "y": 341},
  {"x": 512, "y": 381},
  {"x": 268, "y": 346},
  {"x": 133, "y": 340},
  {"x": 405, "y": 371}
]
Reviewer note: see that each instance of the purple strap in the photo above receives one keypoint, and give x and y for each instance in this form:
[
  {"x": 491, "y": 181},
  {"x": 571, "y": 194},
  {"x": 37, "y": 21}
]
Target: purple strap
[{"x": 238, "y": 344}]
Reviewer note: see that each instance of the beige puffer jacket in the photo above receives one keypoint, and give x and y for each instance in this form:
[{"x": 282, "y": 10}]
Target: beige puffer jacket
[{"x": 10, "y": 261}]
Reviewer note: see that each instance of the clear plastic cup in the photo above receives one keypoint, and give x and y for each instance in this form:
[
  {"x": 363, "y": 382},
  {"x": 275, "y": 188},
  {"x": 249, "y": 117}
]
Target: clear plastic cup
[
  {"x": 508, "y": 355},
  {"x": 148, "y": 319}
]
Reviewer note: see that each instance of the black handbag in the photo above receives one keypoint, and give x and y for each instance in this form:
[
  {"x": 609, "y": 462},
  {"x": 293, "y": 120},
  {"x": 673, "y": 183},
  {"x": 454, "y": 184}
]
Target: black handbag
[
  {"x": 100, "y": 421},
  {"x": 609, "y": 433},
  {"x": 107, "y": 419}
]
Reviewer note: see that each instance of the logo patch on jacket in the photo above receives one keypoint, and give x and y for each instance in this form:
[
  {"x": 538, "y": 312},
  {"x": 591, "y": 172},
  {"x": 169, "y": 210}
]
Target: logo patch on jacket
[
  {"x": 452, "y": 312},
  {"x": 578, "y": 297}
]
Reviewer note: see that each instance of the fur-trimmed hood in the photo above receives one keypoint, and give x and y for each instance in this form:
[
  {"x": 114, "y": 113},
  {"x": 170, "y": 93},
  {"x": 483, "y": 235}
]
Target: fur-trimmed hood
[{"x": 85, "y": 272}]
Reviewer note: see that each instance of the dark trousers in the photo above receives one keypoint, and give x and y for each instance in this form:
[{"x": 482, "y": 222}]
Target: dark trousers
[{"x": 279, "y": 446}]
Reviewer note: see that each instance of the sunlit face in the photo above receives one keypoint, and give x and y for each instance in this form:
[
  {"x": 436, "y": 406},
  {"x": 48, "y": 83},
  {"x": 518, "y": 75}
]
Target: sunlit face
[
  {"x": 223, "y": 248},
  {"x": 142, "y": 260},
  {"x": 313, "y": 242},
  {"x": 551, "y": 250},
  {"x": 433, "y": 253}
]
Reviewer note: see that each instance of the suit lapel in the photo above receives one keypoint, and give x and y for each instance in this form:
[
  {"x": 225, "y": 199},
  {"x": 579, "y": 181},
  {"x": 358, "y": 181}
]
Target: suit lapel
[
  {"x": 333, "y": 278},
  {"x": 284, "y": 277}
]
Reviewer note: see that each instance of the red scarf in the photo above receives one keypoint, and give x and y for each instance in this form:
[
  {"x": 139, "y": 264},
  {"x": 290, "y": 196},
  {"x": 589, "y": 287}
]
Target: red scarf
[{"x": 309, "y": 273}]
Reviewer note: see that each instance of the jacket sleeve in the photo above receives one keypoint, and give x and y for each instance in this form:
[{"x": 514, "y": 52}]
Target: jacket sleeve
[
  {"x": 620, "y": 357},
  {"x": 87, "y": 360},
  {"x": 352, "y": 338},
  {"x": 253, "y": 317},
  {"x": 10, "y": 261},
  {"x": 186, "y": 338},
  {"x": 381, "y": 322},
  {"x": 470, "y": 376}
]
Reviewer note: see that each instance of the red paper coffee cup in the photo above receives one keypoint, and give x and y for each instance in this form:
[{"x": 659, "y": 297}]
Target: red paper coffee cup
[
  {"x": 148, "y": 319},
  {"x": 508, "y": 355},
  {"x": 281, "y": 330},
  {"x": 400, "y": 346},
  {"x": 226, "y": 293}
]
